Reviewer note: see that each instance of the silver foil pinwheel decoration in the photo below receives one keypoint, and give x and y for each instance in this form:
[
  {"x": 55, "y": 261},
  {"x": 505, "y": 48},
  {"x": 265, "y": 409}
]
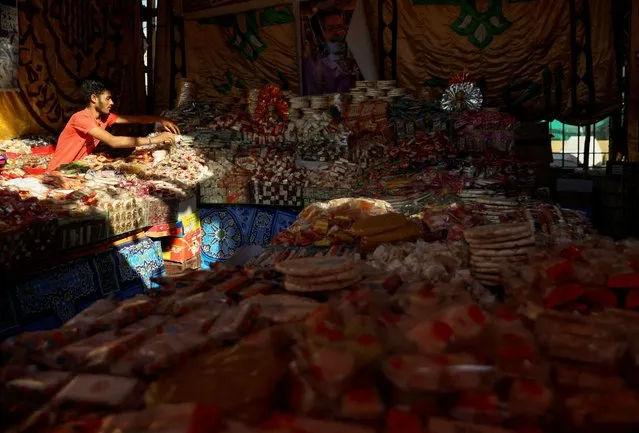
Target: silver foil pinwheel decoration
[{"x": 461, "y": 97}]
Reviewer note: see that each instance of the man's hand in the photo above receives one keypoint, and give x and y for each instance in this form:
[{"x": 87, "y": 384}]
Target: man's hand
[
  {"x": 170, "y": 126},
  {"x": 166, "y": 138}
]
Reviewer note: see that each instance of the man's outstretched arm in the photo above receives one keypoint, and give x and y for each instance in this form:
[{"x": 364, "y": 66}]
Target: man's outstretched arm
[
  {"x": 119, "y": 142},
  {"x": 167, "y": 124}
]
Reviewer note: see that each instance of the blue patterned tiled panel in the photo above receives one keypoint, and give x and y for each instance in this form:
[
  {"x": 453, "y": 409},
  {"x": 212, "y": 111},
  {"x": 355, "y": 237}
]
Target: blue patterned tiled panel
[
  {"x": 227, "y": 228},
  {"x": 48, "y": 298}
]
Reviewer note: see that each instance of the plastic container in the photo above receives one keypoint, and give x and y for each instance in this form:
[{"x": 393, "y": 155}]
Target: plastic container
[
  {"x": 35, "y": 171},
  {"x": 43, "y": 150}
]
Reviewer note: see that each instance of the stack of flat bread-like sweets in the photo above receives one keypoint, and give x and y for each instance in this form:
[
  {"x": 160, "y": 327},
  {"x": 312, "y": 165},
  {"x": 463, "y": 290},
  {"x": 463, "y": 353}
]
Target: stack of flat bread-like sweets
[
  {"x": 496, "y": 245},
  {"x": 319, "y": 274}
]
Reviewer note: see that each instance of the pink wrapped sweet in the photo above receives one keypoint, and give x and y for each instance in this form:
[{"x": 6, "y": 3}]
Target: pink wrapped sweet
[
  {"x": 198, "y": 321},
  {"x": 415, "y": 372},
  {"x": 431, "y": 336},
  {"x": 103, "y": 391},
  {"x": 467, "y": 321},
  {"x": 75, "y": 355},
  {"x": 127, "y": 312},
  {"x": 529, "y": 397},
  {"x": 87, "y": 318},
  {"x": 234, "y": 322},
  {"x": 40, "y": 383},
  {"x": 166, "y": 350}
]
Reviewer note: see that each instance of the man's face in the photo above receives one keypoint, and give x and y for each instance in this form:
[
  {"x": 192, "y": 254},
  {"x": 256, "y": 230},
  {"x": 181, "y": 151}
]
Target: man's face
[
  {"x": 104, "y": 102},
  {"x": 334, "y": 28}
]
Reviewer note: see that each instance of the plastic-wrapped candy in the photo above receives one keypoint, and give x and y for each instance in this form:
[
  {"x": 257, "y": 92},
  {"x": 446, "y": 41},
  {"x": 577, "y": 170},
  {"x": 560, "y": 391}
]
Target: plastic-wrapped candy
[
  {"x": 127, "y": 312},
  {"x": 177, "y": 418},
  {"x": 166, "y": 350},
  {"x": 39, "y": 384},
  {"x": 103, "y": 391},
  {"x": 87, "y": 318}
]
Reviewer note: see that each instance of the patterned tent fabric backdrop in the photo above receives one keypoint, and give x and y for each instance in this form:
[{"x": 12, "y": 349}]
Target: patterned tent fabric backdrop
[
  {"x": 63, "y": 42},
  {"x": 227, "y": 228},
  {"x": 519, "y": 51},
  {"x": 228, "y": 54},
  {"x": 8, "y": 45}
]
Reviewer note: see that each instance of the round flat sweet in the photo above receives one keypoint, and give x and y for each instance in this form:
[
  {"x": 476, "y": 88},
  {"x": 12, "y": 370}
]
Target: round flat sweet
[
  {"x": 496, "y": 202},
  {"x": 495, "y": 239},
  {"x": 506, "y": 252},
  {"x": 485, "y": 267},
  {"x": 325, "y": 287},
  {"x": 496, "y": 230},
  {"x": 285, "y": 308},
  {"x": 509, "y": 244},
  {"x": 487, "y": 275},
  {"x": 508, "y": 259},
  {"x": 478, "y": 264},
  {"x": 314, "y": 266},
  {"x": 488, "y": 283},
  {"x": 339, "y": 276}
]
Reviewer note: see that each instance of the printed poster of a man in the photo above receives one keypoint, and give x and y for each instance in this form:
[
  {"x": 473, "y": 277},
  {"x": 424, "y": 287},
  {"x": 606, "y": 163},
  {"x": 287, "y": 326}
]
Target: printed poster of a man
[{"x": 327, "y": 64}]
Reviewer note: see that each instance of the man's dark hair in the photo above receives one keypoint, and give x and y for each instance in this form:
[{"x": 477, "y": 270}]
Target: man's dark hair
[{"x": 93, "y": 86}]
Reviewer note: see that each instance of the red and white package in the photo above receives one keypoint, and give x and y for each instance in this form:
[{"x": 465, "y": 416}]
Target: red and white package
[
  {"x": 330, "y": 369},
  {"x": 466, "y": 320},
  {"x": 127, "y": 312},
  {"x": 431, "y": 336},
  {"x": 482, "y": 407},
  {"x": 362, "y": 403},
  {"x": 529, "y": 397},
  {"x": 198, "y": 321},
  {"x": 234, "y": 323},
  {"x": 438, "y": 372},
  {"x": 38, "y": 342},
  {"x": 151, "y": 324},
  {"x": 199, "y": 300},
  {"x": 441, "y": 425},
  {"x": 165, "y": 418},
  {"x": 40, "y": 383},
  {"x": 101, "y": 357},
  {"x": 284, "y": 423},
  {"x": 74, "y": 355},
  {"x": 414, "y": 372},
  {"x": 87, "y": 318},
  {"x": 465, "y": 372},
  {"x": 165, "y": 350},
  {"x": 104, "y": 391},
  {"x": 516, "y": 354}
]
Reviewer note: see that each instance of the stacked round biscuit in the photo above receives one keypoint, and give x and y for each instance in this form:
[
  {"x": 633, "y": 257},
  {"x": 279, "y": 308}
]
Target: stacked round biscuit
[
  {"x": 319, "y": 274},
  {"x": 494, "y": 246}
]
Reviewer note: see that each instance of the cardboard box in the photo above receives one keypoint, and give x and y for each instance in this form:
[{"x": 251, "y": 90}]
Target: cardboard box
[
  {"x": 186, "y": 225},
  {"x": 181, "y": 249}
]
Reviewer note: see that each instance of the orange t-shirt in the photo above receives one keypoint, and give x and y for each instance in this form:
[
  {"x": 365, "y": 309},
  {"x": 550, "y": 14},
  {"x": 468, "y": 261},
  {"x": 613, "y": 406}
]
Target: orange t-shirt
[{"x": 75, "y": 142}]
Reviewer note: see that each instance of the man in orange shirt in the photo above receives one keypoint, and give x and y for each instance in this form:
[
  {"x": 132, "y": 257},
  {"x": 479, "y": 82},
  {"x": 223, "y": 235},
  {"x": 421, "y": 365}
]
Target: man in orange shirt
[{"x": 87, "y": 128}]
